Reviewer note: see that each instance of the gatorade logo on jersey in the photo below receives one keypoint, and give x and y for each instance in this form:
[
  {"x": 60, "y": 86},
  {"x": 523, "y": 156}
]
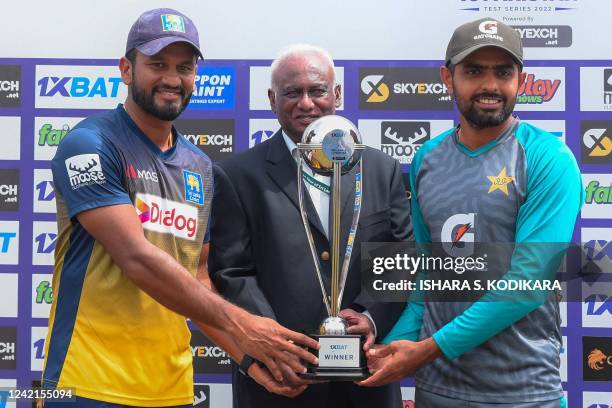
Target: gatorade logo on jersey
[
  {"x": 194, "y": 191},
  {"x": 457, "y": 234},
  {"x": 166, "y": 216}
]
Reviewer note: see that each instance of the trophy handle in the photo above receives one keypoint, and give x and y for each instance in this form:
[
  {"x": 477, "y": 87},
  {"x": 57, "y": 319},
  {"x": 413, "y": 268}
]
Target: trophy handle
[
  {"x": 310, "y": 240},
  {"x": 353, "y": 231}
]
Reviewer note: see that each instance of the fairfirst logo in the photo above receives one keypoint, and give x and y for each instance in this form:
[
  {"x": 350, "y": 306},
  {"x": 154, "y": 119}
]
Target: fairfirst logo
[
  {"x": 598, "y": 194},
  {"x": 537, "y": 91},
  {"x": 457, "y": 234},
  {"x": 48, "y": 136},
  {"x": 376, "y": 90},
  {"x": 166, "y": 216},
  {"x": 44, "y": 293}
]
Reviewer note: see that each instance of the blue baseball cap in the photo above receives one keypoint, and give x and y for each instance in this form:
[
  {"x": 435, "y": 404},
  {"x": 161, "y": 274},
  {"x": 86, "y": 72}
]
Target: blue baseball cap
[{"x": 156, "y": 29}]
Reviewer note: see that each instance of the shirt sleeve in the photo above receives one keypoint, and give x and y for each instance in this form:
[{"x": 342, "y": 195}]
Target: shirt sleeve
[
  {"x": 87, "y": 172},
  {"x": 548, "y": 214}
]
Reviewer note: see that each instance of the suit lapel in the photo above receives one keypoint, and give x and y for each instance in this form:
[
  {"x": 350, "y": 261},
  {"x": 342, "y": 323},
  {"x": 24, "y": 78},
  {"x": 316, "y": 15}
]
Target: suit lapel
[{"x": 282, "y": 169}]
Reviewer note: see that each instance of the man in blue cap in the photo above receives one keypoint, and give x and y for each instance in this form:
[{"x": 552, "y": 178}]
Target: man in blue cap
[{"x": 133, "y": 200}]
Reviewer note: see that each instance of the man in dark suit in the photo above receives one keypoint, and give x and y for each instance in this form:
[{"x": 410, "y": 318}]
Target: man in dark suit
[{"x": 260, "y": 258}]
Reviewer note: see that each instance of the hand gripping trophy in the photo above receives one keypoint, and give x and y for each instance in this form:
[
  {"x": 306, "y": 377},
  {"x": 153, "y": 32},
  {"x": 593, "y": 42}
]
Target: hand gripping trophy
[{"x": 331, "y": 146}]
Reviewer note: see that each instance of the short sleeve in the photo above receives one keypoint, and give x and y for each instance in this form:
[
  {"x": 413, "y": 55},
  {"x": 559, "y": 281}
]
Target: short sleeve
[{"x": 87, "y": 172}]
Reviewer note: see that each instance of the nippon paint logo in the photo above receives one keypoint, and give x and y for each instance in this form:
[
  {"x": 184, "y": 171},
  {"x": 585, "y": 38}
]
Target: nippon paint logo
[
  {"x": 167, "y": 217},
  {"x": 215, "y": 88},
  {"x": 78, "y": 87},
  {"x": 543, "y": 90}
]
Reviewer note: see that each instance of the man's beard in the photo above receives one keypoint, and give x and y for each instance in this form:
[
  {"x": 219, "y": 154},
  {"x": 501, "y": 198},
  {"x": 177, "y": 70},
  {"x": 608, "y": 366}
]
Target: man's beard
[
  {"x": 167, "y": 112},
  {"x": 481, "y": 120}
]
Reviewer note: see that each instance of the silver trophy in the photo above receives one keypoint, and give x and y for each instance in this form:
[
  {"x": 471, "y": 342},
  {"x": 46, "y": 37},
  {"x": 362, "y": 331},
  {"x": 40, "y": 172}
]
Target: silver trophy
[{"x": 331, "y": 146}]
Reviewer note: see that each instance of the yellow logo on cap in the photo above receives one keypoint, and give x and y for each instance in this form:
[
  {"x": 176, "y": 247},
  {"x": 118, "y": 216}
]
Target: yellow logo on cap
[{"x": 172, "y": 22}]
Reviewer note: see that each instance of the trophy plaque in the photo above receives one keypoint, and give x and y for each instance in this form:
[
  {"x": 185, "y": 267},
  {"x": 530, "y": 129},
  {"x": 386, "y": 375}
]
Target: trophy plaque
[{"x": 331, "y": 146}]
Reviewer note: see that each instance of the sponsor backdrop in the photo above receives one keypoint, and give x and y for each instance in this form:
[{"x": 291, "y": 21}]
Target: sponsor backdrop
[{"x": 392, "y": 90}]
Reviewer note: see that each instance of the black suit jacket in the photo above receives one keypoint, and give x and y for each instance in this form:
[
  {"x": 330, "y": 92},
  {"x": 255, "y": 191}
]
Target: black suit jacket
[{"x": 259, "y": 254}]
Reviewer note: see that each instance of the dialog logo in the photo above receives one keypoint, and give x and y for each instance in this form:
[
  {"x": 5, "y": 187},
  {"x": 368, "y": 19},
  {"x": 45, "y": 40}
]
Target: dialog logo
[{"x": 167, "y": 217}]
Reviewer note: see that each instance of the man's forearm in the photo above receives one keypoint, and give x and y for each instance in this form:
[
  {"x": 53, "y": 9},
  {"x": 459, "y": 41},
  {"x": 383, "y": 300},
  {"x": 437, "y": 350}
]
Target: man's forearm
[{"x": 166, "y": 281}]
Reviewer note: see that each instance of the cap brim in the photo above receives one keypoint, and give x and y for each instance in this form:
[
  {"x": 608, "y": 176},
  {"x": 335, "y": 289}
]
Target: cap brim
[
  {"x": 463, "y": 54},
  {"x": 154, "y": 46}
]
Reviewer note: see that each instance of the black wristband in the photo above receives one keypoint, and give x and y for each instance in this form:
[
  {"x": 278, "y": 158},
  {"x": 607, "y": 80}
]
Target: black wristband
[{"x": 246, "y": 362}]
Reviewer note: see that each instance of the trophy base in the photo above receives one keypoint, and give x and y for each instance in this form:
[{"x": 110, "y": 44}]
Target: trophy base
[
  {"x": 341, "y": 358},
  {"x": 335, "y": 374}
]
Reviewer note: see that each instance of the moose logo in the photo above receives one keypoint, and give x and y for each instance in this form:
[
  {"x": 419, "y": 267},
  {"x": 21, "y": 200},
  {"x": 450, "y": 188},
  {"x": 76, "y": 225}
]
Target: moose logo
[{"x": 84, "y": 170}]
